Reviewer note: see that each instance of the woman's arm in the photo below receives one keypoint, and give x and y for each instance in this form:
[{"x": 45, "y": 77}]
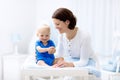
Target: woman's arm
[{"x": 86, "y": 52}]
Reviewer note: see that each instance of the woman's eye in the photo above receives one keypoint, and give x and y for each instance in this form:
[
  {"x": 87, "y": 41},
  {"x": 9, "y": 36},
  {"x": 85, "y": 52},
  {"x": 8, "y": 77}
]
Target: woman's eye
[{"x": 56, "y": 24}]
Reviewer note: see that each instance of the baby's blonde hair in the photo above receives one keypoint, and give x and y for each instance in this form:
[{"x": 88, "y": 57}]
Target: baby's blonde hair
[{"x": 44, "y": 26}]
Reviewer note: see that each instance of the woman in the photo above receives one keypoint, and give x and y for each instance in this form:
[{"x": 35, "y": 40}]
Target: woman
[{"x": 73, "y": 44}]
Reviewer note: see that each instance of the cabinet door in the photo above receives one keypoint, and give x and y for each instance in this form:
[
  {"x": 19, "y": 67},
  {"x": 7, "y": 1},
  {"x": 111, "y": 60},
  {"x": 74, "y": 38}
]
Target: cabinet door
[
  {"x": 1, "y": 68},
  {"x": 12, "y": 67}
]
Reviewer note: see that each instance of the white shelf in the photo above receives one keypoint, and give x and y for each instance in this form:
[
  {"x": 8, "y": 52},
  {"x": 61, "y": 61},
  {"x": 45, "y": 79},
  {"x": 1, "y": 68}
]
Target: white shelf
[{"x": 11, "y": 65}]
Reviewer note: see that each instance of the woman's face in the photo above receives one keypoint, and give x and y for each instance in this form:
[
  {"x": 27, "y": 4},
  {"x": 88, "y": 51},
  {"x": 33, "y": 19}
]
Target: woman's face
[{"x": 61, "y": 25}]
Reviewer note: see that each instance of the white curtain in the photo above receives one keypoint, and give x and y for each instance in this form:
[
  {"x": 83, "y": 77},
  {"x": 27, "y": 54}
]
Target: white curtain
[{"x": 100, "y": 18}]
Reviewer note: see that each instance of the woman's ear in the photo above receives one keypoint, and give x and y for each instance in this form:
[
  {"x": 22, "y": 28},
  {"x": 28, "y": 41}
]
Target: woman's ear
[{"x": 67, "y": 22}]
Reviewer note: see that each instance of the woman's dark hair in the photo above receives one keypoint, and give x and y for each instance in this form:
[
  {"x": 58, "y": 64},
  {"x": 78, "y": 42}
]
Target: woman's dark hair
[{"x": 64, "y": 14}]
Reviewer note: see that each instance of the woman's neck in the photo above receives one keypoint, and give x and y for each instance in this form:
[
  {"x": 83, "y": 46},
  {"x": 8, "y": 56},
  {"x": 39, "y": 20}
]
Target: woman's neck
[{"x": 70, "y": 34}]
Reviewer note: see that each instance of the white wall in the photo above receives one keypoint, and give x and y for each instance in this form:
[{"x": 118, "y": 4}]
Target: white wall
[
  {"x": 16, "y": 17},
  {"x": 45, "y": 8}
]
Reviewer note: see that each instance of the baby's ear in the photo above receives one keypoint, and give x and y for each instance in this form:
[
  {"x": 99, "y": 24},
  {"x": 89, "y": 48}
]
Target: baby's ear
[{"x": 37, "y": 34}]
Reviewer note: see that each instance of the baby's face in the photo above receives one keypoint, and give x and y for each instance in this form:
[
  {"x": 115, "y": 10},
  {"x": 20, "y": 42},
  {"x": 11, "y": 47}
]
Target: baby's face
[{"x": 44, "y": 34}]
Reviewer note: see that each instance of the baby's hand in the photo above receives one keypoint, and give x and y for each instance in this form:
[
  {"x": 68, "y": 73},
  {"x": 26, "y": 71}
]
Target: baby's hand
[{"x": 51, "y": 50}]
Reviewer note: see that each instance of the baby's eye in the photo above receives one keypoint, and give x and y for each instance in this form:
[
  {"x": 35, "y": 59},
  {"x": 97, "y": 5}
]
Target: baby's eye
[
  {"x": 47, "y": 35},
  {"x": 41, "y": 35}
]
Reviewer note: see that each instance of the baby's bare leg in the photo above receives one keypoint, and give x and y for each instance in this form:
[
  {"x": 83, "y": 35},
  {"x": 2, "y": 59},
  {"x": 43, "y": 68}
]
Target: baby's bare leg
[
  {"x": 57, "y": 60},
  {"x": 42, "y": 63}
]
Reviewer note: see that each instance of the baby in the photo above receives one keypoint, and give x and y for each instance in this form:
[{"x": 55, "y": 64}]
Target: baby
[{"x": 45, "y": 48}]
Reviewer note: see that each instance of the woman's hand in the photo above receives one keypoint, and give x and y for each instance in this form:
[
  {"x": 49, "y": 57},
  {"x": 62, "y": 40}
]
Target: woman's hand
[
  {"x": 55, "y": 66},
  {"x": 65, "y": 64}
]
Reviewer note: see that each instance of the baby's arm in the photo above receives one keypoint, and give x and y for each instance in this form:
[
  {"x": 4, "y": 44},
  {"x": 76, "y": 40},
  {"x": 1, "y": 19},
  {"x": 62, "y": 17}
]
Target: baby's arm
[
  {"x": 50, "y": 50},
  {"x": 41, "y": 49}
]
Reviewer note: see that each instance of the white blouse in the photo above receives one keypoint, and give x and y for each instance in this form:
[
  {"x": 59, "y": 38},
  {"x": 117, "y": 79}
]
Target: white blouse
[{"x": 78, "y": 47}]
